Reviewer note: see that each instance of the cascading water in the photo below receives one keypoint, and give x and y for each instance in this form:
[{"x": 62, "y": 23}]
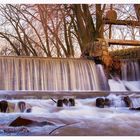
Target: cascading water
[
  {"x": 102, "y": 77},
  {"x": 130, "y": 77},
  {"x": 47, "y": 74},
  {"x": 130, "y": 70},
  {"x": 65, "y": 74}
]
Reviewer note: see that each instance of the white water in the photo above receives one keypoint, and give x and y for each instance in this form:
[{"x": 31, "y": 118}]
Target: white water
[
  {"x": 47, "y": 74},
  {"x": 118, "y": 85},
  {"x": 102, "y": 77},
  {"x": 132, "y": 85},
  {"x": 57, "y": 74},
  {"x": 130, "y": 77},
  {"x": 85, "y": 118},
  {"x": 63, "y": 75}
]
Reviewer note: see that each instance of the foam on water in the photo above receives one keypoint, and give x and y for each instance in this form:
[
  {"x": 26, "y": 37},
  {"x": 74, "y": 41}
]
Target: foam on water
[
  {"x": 119, "y": 85},
  {"x": 86, "y": 119},
  {"x": 132, "y": 85},
  {"x": 116, "y": 85}
]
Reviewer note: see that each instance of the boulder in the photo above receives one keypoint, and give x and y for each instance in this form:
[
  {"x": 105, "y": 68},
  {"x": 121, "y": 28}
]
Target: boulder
[
  {"x": 60, "y": 103},
  {"x": 127, "y": 101},
  {"x": 3, "y": 106},
  {"x": 20, "y": 121},
  {"x": 29, "y": 110},
  {"x": 138, "y": 108},
  {"x": 100, "y": 102},
  {"x": 107, "y": 102},
  {"x": 22, "y": 106},
  {"x": 65, "y": 101},
  {"x": 71, "y": 102}
]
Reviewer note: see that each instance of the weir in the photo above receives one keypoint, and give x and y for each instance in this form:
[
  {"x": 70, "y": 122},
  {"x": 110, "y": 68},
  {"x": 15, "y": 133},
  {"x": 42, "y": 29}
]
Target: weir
[
  {"x": 44, "y": 74},
  {"x": 60, "y": 94},
  {"x": 38, "y": 77}
]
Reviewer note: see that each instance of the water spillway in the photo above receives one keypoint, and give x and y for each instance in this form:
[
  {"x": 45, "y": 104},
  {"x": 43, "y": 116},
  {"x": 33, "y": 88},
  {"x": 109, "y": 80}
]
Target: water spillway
[
  {"x": 130, "y": 77},
  {"x": 102, "y": 77},
  {"x": 29, "y": 73},
  {"x": 130, "y": 70}
]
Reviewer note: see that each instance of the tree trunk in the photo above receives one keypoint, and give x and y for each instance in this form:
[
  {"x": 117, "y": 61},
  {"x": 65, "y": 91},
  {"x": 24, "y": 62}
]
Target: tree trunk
[
  {"x": 99, "y": 22},
  {"x": 137, "y": 10}
]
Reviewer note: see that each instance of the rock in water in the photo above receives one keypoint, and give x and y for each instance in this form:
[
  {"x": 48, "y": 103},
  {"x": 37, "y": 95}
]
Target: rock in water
[
  {"x": 29, "y": 110},
  {"x": 71, "y": 102},
  {"x": 100, "y": 102},
  {"x": 138, "y": 108},
  {"x": 107, "y": 102},
  {"x": 3, "y": 106},
  {"x": 22, "y": 106},
  {"x": 65, "y": 101},
  {"x": 127, "y": 101},
  {"x": 19, "y": 121},
  {"x": 60, "y": 103}
]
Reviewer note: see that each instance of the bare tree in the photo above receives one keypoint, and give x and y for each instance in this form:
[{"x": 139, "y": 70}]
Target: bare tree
[{"x": 61, "y": 30}]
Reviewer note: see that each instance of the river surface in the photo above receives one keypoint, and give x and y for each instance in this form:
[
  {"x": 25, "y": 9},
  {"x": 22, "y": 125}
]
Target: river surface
[{"x": 84, "y": 119}]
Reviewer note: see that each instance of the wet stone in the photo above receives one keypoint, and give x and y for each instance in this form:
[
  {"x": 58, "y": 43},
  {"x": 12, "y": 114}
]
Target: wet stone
[
  {"x": 65, "y": 101},
  {"x": 60, "y": 103},
  {"x": 107, "y": 102},
  {"x": 71, "y": 102},
  {"x": 100, "y": 102},
  {"x": 19, "y": 121},
  {"x": 3, "y": 106},
  {"x": 127, "y": 101},
  {"x": 22, "y": 106}
]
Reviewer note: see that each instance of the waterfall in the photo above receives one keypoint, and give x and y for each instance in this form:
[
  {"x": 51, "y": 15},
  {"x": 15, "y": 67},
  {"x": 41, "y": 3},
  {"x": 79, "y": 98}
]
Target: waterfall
[
  {"x": 25, "y": 73},
  {"x": 130, "y": 77},
  {"x": 130, "y": 70},
  {"x": 102, "y": 77}
]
